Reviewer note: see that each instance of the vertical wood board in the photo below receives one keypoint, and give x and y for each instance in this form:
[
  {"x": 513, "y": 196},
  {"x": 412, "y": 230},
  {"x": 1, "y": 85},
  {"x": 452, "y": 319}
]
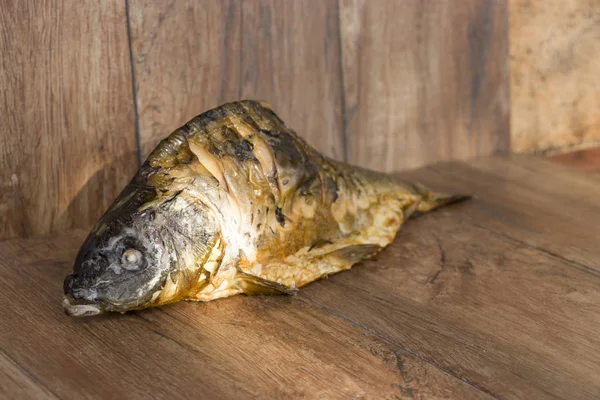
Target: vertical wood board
[
  {"x": 185, "y": 61},
  {"x": 424, "y": 81},
  {"x": 290, "y": 57},
  {"x": 67, "y": 138},
  {"x": 191, "y": 56}
]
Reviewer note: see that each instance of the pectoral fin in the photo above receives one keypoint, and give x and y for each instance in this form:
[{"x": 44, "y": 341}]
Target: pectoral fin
[
  {"x": 254, "y": 285},
  {"x": 355, "y": 253}
]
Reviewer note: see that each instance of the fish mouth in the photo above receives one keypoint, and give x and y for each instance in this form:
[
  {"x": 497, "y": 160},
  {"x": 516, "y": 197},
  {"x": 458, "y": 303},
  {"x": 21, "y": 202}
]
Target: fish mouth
[{"x": 77, "y": 308}]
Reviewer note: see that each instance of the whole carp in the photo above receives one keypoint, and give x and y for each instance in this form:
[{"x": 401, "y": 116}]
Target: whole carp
[{"x": 236, "y": 202}]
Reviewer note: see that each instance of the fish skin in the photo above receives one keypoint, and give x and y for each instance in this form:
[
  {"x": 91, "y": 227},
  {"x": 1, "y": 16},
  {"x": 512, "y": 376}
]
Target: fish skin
[{"x": 236, "y": 202}]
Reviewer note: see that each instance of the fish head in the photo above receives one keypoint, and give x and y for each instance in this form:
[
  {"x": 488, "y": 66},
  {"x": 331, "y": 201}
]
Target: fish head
[
  {"x": 146, "y": 251},
  {"x": 123, "y": 262}
]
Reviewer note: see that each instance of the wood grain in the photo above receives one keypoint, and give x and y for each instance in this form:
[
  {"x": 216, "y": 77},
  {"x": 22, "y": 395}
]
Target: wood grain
[
  {"x": 547, "y": 200},
  {"x": 16, "y": 383},
  {"x": 424, "y": 81},
  {"x": 291, "y": 58},
  {"x": 67, "y": 137},
  {"x": 261, "y": 347},
  {"x": 491, "y": 298},
  {"x": 192, "y": 56},
  {"x": 185, "y": 61},
  {"x": 383, "y": 84},
  {"x": 489, "y": 290},
  {"x": 588, "y": 159},
  {"x": 554, "y": 64}
]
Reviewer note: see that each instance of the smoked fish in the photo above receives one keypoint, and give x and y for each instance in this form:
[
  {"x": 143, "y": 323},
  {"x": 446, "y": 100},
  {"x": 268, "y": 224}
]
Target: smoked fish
[{"x": 236, "y": 202}]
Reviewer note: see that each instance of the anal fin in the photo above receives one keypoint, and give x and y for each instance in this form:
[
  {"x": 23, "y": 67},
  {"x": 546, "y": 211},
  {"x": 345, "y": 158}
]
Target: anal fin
[{"x": 254, "y": 285}]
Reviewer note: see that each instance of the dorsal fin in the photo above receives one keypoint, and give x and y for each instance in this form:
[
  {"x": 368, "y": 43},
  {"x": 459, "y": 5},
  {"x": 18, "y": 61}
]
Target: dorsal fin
[{"x": 172, "y": 150}]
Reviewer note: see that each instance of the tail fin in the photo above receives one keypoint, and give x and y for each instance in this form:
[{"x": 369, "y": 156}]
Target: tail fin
[{"x": 434, "y": 200}]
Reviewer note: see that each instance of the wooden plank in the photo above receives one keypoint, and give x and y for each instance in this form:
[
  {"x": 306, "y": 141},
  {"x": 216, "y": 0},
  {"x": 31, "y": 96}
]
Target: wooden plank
[
  {"x": 476, "y": 300},
  {"x": 67, "y": 139},
  {"x": 546, "y": 201},
  {"x": 191, "y": 56},
  {"x": 424, "y": 81},
  {"x": 16, "y": 383},
  {"x": 554, "y": 65},
  {"x": 585, "y": 159},
  {"x": 186, "y": 61},
  {"x": 512, "y": 319},
  {"x": 250, "y": 347},
  {"x": 291, "y": 58}
]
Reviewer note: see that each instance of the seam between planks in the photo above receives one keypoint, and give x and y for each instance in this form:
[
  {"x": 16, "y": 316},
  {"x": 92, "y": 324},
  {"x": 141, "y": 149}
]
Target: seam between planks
[
  {"x": 155, "y": 329},
  {"x": 507, "y": 145},
  {"x": 341, "y": 83},
  {"x": 394, "y": 344},
  {"x": 241, "y": 82},
  {"x": 138, "y": 138},
  {"x": 580, "y": 266},
  {"x": 395, "y": 347},
  {"x": 30, "y": 375}
]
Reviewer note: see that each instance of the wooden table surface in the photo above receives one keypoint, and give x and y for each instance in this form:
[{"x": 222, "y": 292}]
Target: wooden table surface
[{"x": 495, "y": 298}]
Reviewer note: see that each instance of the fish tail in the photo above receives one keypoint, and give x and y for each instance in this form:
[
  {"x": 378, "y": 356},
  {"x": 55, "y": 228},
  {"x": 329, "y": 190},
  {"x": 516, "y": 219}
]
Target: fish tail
[{"x": 431, "y": 200}]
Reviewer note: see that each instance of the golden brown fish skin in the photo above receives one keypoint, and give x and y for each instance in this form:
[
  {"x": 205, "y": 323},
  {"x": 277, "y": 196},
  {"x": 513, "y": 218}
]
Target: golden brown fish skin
[{"x": 243, "y": 204}]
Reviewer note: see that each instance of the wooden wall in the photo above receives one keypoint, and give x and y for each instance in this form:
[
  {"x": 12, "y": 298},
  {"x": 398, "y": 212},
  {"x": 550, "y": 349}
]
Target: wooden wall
[
  {"x": 555, "y": 70},
  {"x": 89, "y": 87},
  {"x": 67, "y": 132}
]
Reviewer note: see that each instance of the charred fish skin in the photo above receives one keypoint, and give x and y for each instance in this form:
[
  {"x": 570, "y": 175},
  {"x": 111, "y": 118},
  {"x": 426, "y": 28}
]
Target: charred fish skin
[{"x": 236, "y": 202}]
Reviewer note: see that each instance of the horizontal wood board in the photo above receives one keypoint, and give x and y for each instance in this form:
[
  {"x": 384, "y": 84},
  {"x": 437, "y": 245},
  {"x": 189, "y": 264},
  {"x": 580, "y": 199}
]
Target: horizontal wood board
[{"x": 498, "y": 297}]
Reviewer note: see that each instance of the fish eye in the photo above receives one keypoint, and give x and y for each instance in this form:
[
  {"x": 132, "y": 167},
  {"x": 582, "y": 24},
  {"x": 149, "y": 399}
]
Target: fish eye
[{"x": 131, "y": 259}]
